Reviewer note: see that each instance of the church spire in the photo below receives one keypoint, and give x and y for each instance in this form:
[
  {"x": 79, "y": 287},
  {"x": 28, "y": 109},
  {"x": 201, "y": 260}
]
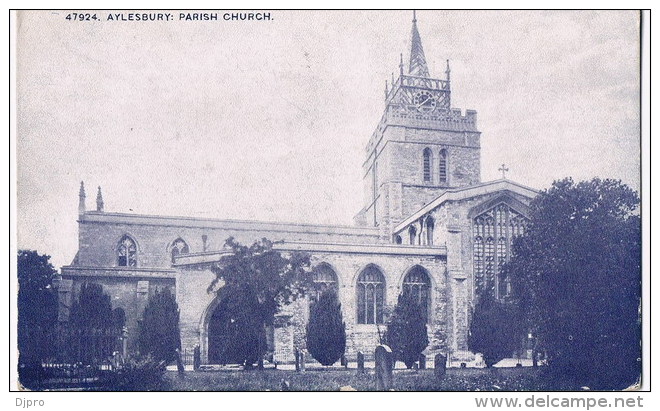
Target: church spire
[{"x": 417, "y": 60}]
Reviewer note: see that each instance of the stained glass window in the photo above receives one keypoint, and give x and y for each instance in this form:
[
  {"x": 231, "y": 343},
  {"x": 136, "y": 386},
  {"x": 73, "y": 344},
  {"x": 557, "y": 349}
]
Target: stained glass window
[
  {"x": 430, "y": 225},
  {"x": 325, "y": 279},
  {"x": 427, "y": 165},
  {"x": 179, "y": 247},
  {"x": 418, "y": 285},
  {"x": 443, "y": 166},
  {"x": 370, "y": 296},
  {"x": 412, "y": 233},
  {"x": 493, "y": 233},
  {"x": 126, "y": 252}
]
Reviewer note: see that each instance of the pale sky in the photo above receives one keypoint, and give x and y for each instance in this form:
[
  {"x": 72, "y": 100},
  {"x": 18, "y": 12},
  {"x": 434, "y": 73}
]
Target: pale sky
[{"x": 268, "y": 120}]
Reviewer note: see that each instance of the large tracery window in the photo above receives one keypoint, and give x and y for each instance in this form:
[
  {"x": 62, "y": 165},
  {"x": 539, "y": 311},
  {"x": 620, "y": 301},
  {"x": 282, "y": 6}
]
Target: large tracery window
[
  {"x": 179, "y": 246},
  {"x": 494, "y": 231},
  {"x": 370, "y": 296},
  {"x": 325, "y": 279},
  {"x": 427, "y": 165},
  {"x": 418, "y": 285},
  {"x": 126, "y": 252}
]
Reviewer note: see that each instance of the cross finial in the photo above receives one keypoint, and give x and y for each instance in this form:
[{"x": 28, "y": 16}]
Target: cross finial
[{"x": 504, "y": 170}]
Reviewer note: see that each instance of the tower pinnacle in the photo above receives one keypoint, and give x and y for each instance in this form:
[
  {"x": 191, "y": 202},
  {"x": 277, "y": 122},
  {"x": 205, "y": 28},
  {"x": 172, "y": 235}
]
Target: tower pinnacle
[
  {"x": 99, "y": 201},
  {"x": 417, "y": 65},
  {"x": 81, "y": 199}
]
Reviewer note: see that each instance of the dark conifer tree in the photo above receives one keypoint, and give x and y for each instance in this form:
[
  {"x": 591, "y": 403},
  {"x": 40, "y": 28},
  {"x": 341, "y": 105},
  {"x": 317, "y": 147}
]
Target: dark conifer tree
[
  {"x": 326, "y": 331},
  {"x": 159, "y": 329},
  {"x": 406, "y": 331}
]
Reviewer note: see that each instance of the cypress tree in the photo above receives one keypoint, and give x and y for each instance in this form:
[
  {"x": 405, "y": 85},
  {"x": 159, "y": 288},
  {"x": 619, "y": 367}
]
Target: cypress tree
[
  {"x": 159, "y": 328},
  {"x": 406, "y": 331},
  {"x": 326, "y": 331}
]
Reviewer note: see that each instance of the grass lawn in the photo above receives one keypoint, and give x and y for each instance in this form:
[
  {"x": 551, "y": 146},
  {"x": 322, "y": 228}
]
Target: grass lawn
[{"x": 456, "y": 379}]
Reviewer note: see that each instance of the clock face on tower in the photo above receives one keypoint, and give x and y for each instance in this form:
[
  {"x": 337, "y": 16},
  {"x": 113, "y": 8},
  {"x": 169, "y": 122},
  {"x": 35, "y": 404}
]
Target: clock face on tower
[{"x": 425, "y": 102}]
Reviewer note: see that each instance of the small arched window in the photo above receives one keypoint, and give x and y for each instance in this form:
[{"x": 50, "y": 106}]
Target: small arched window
[
  {"x": 179, "y": 246},
  {"x": 427, "y": 165},
  {"x": 398, "y": 239},
  {"x": 370, "y": 296},
  {"x": 417, "y": 285},
  {"x": 126, "y": 252},
  {"x": 442, "y": 166},
  {"x": 430, "y": 225},
  {"x": 325, "y": 279},
  {"x": 412, "y": 233}
]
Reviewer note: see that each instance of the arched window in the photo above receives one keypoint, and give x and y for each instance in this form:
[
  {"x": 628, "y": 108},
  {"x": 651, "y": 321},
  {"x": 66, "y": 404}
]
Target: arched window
[
  {"x": 126, "y": 252},
  {"x": 370, "y": 296},
  {"x": 412, "y": 233},
  {"x": 427, "y": 165},
  {"x": 398, "y": 239},
  {"x": 494, "y": 231},
  {"x": 430, "y": 225},
  {"x": 325, "y": 279},
  {"x": 418, "y": 285},
  {"x": 442, "y": 166},
  {"x": 179, "y": 247}
]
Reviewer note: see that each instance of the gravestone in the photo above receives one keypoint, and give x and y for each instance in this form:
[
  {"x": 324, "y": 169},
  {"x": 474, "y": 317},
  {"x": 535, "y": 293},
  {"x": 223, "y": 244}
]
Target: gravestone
[
  {"x": 422, "y": 361},
  {"x": 197, "y": 358},
  {"x": 440, "y": 366},
  {"x": 296, "y": 354},
  {"x": 384, "y": 365},
  {"x": 360, "y": 362},
  {"x": 302, "y": 361},
  {"x": 179, "y": 363}
]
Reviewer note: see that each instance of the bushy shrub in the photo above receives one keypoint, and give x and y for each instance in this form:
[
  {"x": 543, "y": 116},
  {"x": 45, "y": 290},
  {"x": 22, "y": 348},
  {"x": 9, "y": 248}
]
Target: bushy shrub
[
  {"x": 495, "y": 329},
  {"x": 136, "y": 374}
]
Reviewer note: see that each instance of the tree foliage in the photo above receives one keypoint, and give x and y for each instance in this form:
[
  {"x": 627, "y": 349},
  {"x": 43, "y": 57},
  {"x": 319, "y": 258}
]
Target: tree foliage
[
  {"x": 253, "y": 283},
  {"x": 406, "y": 331},
  {"x": 495, "y": 329},
  {"x": 577, "y": 274},
  {"x": 159, "y": 329},
  {"x": 37, "y": 311},
  {"x": 326, "y": 331}
]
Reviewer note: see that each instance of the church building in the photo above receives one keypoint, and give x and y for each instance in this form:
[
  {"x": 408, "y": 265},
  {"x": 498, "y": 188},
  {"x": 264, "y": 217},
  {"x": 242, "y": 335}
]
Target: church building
[{"x": 428, "y": 225}]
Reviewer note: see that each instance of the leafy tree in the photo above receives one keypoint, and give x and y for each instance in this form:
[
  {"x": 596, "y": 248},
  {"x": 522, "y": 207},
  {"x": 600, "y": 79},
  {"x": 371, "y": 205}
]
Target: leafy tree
[
  {"x": 577, "y": 274},
  {"x": 326, "y": 331},
  {"x": 159, "y": 334},
  {"x": 494, "y": 330},
  {"x": 406, "y": 331},
  {"x": 37, "y": 311},
  {"x": 253, "y": 283}
]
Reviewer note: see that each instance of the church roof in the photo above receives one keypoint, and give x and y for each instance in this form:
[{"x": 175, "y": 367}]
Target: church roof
[
  {"x": 461, "y": 193},
  {"x": 417, "y": 65}
]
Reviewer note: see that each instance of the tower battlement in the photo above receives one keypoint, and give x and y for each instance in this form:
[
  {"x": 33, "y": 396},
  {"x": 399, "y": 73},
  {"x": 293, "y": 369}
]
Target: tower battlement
[{"x": 453, "y": 120}]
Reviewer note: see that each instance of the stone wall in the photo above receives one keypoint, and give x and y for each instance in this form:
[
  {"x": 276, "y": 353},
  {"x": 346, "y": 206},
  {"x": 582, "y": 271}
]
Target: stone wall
[
  {"x": 197, "y": 305},
  {"x": 99, "y": 235}
]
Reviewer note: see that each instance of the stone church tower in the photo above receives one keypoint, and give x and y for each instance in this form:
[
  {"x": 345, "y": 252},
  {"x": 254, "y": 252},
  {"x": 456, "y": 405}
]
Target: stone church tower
[{"x": 421, "y": 147}]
